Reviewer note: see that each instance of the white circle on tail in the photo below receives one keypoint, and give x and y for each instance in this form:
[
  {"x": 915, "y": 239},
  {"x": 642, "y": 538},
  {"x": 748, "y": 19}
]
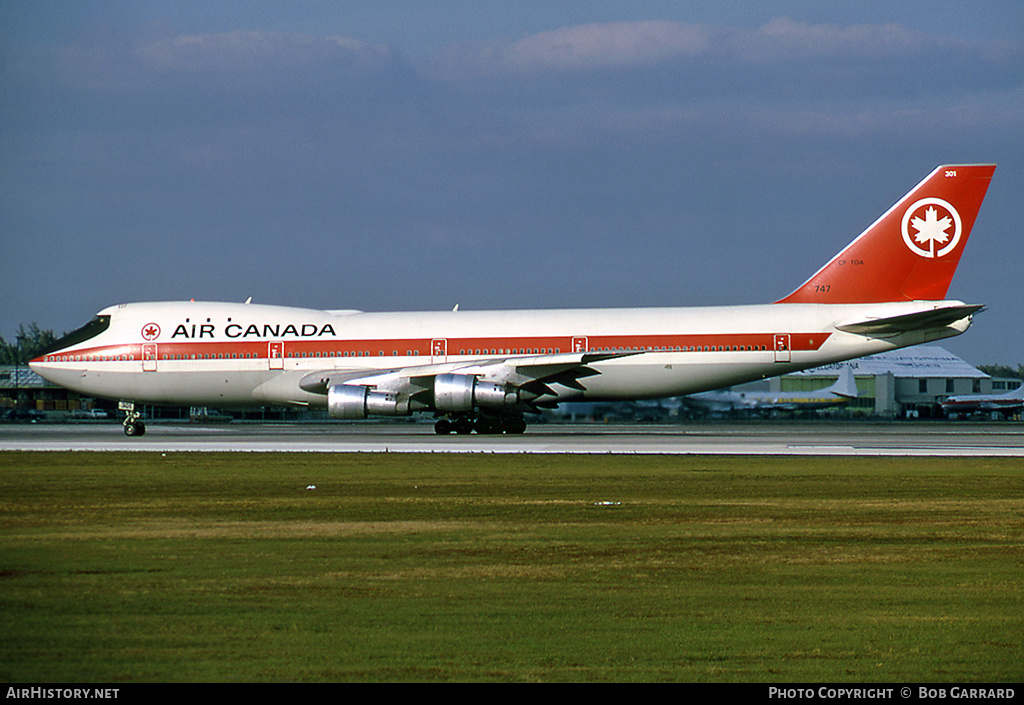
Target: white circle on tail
[{"x": 936, "y": 226}]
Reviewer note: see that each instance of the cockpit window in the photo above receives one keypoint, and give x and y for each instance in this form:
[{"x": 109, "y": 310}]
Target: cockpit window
[{"x": 89, "y": 330}]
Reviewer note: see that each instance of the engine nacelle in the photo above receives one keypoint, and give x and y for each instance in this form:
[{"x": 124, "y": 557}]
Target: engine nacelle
[
  {"x": 349, "y": 401},
  {"x": 464, "y": 392}
]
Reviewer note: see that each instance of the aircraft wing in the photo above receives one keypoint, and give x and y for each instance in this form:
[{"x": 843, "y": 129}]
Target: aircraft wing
[
  {"x": 922, "y": 320},
  {"x": 533, "y": 374}
]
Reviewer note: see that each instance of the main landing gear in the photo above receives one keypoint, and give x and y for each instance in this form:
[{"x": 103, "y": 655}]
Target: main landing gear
[
  {"x": 132, "y": 425},
  {"x": 464, "y": 424}
]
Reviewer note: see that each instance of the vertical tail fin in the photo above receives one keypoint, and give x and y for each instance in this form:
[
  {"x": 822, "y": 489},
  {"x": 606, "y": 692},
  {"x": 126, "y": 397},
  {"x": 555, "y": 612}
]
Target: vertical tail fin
[
  {"x": 912, "y": 251},
  {"x": 846, "y": 385}
]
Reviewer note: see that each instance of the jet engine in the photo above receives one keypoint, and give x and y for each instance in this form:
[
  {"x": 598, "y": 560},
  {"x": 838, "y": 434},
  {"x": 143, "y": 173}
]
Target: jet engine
[
  {"x": 455, "y": 393},
  {"x": 349, "y": 401}
]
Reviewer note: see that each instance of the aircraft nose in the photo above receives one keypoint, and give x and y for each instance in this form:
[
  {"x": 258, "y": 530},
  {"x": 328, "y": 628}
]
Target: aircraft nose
[
  {"x": 39, "y": 366},
  {"x": 46, "y": 369}
]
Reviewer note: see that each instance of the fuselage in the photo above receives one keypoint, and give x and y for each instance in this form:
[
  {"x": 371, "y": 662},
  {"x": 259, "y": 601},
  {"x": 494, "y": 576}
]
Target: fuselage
[
  {"x": 1007, "y": 402},
  {"x": 240, "y": 355},
  {"x": 740, "y": 401}
]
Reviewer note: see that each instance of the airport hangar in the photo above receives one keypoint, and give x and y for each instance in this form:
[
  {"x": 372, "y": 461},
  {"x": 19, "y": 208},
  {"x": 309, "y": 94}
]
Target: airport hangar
[{"x": 907, "y": 383}]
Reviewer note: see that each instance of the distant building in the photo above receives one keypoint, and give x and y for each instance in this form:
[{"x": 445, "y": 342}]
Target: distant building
[
  {"x": 21, "y": 388},
  {"x": 910, "y": 382}
]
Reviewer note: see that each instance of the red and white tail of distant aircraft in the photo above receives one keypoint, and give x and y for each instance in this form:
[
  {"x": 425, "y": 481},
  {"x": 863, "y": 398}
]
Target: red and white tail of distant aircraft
[{"x": 483, "y": 370}]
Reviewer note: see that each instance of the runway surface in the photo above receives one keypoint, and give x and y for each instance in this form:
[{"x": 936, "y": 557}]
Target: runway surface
[{"x": 767, "y": 438}]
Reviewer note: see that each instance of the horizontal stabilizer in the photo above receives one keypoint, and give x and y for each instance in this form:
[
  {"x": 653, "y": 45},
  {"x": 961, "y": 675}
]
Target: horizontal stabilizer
[{"x": 922, "y": 320}]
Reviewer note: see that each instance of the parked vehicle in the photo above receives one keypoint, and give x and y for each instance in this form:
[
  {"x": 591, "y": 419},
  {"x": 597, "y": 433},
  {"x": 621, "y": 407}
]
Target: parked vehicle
[
  {"x": 91, "y": 414},
  {"x": 23, "y": 415}
]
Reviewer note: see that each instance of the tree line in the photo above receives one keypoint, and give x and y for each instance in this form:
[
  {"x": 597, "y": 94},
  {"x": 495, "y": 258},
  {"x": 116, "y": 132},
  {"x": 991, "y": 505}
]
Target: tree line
[
  {"x": 29, "y": 342},
  {"x": 1003, "y": 371}
]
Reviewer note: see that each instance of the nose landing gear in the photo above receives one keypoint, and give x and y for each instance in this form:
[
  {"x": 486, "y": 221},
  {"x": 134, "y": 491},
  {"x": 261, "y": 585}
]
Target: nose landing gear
[{"x": 132, "y": 425}]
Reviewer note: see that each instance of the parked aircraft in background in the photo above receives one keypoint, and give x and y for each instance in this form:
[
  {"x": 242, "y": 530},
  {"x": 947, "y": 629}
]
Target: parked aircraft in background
[
  {"x": 482, "y": 370},
  {"x": 1007, "y": 404},
  {"x": 842, "y": 392}
]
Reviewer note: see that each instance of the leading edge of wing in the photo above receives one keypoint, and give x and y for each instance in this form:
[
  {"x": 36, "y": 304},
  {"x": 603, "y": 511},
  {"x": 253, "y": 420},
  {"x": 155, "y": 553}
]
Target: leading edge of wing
[{"x": 532, "y": 367}]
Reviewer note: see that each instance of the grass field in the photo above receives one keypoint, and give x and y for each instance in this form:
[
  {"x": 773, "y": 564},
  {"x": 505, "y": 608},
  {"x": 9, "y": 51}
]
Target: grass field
[{"x": 230, "y": 567}]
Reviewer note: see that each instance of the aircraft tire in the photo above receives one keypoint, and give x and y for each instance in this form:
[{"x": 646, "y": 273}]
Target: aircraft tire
[
  {"x": 134, "y": 429},
  {"x": 515, "y": 425},
  {"x": 485, "y": 425}
]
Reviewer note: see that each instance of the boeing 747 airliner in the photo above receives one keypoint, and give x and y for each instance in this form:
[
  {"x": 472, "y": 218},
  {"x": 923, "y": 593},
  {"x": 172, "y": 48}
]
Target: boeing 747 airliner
[{"x": 483, "y": 370}]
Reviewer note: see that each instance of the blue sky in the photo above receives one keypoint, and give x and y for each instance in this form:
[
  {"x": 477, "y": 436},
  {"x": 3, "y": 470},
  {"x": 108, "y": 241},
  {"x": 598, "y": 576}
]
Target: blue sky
[{"x": 417, "y": 155}]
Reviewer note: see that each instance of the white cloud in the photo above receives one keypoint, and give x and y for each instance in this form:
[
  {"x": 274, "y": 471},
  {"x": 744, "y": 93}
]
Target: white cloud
[
  {"x": 781, "y": 45},
  {"x": 248, "y": 51},
  {"x": 105, "y": 61},
  {"x": 608, "y": 45}
]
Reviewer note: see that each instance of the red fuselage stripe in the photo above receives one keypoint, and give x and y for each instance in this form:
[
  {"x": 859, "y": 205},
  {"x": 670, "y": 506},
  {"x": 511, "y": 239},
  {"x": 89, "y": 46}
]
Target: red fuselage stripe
[{"x": 258, "y": 349}]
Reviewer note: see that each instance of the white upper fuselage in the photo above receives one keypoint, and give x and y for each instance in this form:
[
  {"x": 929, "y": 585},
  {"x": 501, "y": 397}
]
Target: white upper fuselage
[{"x": 235, "y": 355}]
